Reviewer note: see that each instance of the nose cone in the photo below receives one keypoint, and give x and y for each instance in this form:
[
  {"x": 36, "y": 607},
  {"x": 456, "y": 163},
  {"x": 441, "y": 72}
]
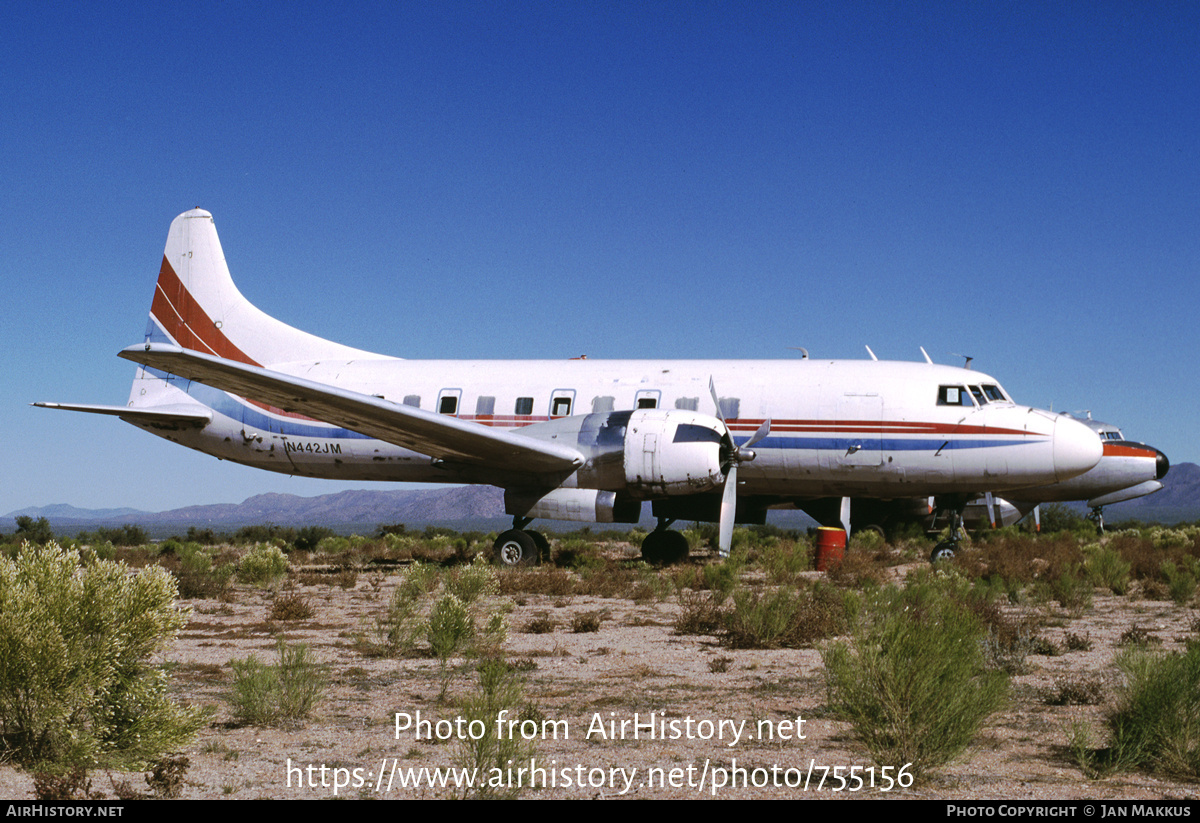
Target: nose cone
[
  {"x": 1162, "y": 464},
  {"x": 1076, "y": 448}
]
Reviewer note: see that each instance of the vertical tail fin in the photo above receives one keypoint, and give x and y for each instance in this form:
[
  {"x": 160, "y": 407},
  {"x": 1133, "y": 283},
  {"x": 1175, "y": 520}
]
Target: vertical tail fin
[{"x": 197, "y": 306}]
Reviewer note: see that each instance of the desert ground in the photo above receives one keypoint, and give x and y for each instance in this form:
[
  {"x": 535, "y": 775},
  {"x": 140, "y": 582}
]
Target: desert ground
[{"x": 704, "y": 707}]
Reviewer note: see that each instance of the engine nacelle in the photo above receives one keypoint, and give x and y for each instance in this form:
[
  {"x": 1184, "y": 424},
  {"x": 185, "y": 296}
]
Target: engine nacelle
[
  {"x": 673, "y": 452},
  {"x": 646, "y": 453},
  {"x": 583, "y": 505}
]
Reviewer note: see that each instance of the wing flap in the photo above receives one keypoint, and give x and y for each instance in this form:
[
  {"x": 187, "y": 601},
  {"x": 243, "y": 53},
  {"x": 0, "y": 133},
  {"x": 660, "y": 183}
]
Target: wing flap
[{"x": 436, "y": 435}]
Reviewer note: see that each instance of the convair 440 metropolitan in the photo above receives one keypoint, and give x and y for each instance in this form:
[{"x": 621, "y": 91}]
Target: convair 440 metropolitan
[{"x": 586, "y": 440}]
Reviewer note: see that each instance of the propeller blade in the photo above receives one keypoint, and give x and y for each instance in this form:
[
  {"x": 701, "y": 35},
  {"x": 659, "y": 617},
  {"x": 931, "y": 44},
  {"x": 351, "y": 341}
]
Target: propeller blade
[
  {"x": 762, "y": 432},
  {"x": 712, "y": 389},
  {"x": 991, "y": 508},
  {"x": 728, "y": 511}
]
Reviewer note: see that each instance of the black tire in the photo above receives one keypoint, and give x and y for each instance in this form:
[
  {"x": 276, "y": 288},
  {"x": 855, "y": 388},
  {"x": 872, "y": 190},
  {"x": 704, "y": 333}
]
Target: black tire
[
  {"x": 543, "y": 545},
  {"x": 664, "y": 548},
  {"x": 943, "y": 551},
  {"x": 652, "y": 548},
  {"x": 675, "y": 548},
  {"x": 515, "y": 548}
]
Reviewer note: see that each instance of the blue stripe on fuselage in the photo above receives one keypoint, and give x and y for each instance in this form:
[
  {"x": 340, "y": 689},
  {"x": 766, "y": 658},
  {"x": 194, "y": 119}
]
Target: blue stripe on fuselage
[{"x": 238, "y": 409}]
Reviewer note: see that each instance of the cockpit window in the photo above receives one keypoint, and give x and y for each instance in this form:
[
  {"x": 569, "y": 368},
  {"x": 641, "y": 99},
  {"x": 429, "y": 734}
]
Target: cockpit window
[
  {"x": 953, "y": 396},
  {"x": 994, "y": 394},
  {"x": 978, "y": 394}
]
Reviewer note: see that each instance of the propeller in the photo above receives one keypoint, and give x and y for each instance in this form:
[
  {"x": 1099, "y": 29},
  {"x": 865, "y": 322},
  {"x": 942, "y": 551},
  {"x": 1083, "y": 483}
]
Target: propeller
[{"x": 735, "y": 454}]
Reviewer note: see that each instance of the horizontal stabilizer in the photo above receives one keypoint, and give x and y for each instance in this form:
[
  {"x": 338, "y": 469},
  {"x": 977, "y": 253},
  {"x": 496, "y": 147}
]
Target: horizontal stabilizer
[
  {"x": 437, "y": 435},
  {"x": 179, "y": 415}
]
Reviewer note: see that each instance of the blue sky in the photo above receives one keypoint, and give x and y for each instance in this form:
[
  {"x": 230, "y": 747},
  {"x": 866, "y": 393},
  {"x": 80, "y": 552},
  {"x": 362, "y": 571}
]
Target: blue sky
[{"x": 1015, "y": 181}]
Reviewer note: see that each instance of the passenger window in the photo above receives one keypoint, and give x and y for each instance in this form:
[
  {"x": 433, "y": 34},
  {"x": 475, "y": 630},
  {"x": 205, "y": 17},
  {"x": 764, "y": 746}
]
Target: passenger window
[
  {"x": 524, "y": 406},
  {"x": 412, "y": 400},
  {"x": 604, "y": 403},
  {"x": 448, "y": 405},
  {"x": 647, "y": 399},
  {"x": 560, "y": 407},
  {"x": 485, "y": 405},
  {"x": 688, "y": 403}
]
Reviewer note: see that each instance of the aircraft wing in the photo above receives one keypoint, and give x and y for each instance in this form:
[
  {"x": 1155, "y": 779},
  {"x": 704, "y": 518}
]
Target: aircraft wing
[
  {"x": 176, "y": 416},
  {"x": 437, "y": 435}
]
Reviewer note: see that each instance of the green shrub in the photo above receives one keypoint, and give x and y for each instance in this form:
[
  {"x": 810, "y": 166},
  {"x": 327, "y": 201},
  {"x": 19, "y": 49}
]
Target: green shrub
[
  {"x": 492, "y": 756},
  {"x": 1181, "y": 581},
  {"x": 37, "y": 532},
  {"x": 450, "y": 629},
  {"x": 585, "y": 622},
  {"x": 263, "y": 564},
  {"x": 450, "y": 626},
  {"x": 721, "y": 578},
  {"x": 1155, "y": 725},
  {"x": 784, "y": 561},
  {"x": 1105, "y": 567},
  {"x": 265, "y": 695},
  {"x": 76, "y": 686},
  {"x": 1072, "y": 591},
  {"x": 471, "y": 582},
  {"x": 913, "y": 682},
  {"x": 699, "y": 613},
  {"x": 784, "y": 617}
]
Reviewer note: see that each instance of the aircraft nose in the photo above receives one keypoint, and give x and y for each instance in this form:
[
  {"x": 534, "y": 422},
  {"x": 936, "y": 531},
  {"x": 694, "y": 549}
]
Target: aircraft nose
[
  {"x": 1076, "y": 448},
  {"x": 1162, "y": 464}
]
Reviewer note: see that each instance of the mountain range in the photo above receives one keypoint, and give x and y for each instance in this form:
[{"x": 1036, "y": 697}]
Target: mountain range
[{"x": 472, "y": 507}]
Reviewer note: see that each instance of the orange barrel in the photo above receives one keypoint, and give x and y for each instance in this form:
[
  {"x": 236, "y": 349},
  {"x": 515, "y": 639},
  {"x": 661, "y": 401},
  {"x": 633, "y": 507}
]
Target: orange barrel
[{"x": 831, "y": 545}]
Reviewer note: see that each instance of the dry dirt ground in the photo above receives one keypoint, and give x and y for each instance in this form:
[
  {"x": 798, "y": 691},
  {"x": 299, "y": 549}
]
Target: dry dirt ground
[{"x": 635, "y": 663}]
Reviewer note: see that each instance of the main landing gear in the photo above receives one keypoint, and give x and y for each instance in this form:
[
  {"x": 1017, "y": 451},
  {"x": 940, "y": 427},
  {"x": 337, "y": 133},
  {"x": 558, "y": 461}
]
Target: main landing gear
[
  {"x": 519, "y": 547},
  {"x": 946, "y": 549},
  {"x": 663, "y": 546}
]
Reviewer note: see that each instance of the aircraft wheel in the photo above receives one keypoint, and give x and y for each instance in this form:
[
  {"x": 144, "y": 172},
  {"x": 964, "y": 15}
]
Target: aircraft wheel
[
  {"x": 943, "y": 551},
  {"x": 515, "y": 548},
  {"x": 652, "y": 547},
  {"x": 664, "y": 548},
  {"x": 543, "y": 545}
]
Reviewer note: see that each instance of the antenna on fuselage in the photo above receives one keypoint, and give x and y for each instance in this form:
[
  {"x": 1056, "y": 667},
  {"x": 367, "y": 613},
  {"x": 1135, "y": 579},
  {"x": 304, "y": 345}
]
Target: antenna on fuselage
[
  {"x": 803, "y": 351},
  {"x": 966, "y": 357},
  {"x": 928, "y": 359},
  {"x": 868, "y": 348}
]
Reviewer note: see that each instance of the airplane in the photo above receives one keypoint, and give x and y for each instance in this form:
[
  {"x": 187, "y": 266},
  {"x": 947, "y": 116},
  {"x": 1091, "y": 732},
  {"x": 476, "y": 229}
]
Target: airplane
[
  {"x": 574, "y": 439},
  {"x": 1126, "y": 471}
]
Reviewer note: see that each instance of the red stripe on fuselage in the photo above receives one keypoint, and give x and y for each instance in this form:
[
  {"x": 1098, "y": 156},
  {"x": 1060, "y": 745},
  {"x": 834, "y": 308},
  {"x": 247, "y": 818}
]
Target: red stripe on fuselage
[
  {"x": 1116, "y": 450},
  {"x": 872, "y": 427}
]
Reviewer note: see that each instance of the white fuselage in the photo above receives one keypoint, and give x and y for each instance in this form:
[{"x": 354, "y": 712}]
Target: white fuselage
[{"x": 851, "y": 428}]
